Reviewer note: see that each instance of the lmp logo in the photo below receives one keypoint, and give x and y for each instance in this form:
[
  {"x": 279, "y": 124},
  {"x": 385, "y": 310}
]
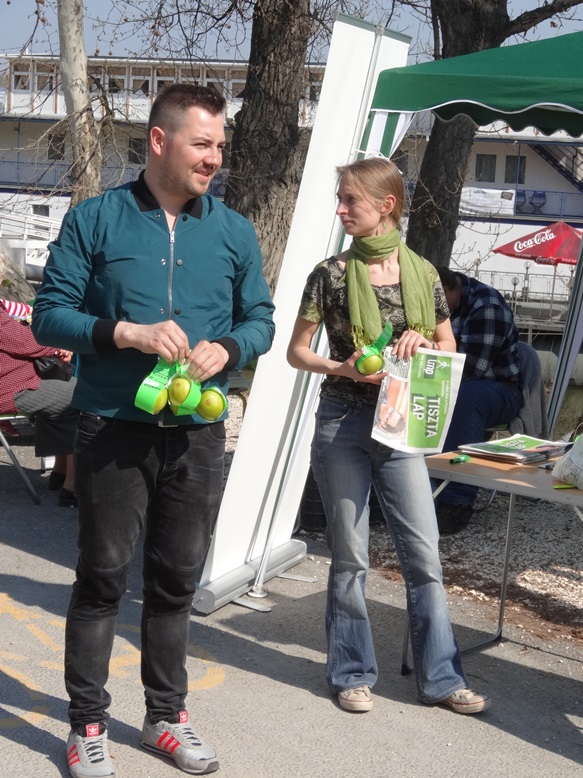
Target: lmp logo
[{"x": 536, "y": 240}]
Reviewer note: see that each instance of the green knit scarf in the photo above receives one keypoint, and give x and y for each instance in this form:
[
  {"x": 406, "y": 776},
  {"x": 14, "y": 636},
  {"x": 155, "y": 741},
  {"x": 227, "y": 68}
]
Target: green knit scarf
[{"x": 416, "y": 288}]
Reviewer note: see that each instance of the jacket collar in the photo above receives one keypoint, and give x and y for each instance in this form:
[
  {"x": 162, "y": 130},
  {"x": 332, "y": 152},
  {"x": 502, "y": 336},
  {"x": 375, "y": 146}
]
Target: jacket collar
[{"x": 147, "y": 202}]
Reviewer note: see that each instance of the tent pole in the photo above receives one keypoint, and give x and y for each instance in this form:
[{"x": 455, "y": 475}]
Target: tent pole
[
  {"x": 553, "y": 292},
  {"x": 570, "y": 345}
]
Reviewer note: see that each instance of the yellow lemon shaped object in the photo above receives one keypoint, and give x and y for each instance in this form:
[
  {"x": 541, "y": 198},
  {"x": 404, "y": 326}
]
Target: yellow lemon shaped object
[
  {"x": 161, "y": 401},
  {"x": 211, "y": 405},
  {"x": 372, "y": 365},
  {"x": 178, "y": 390}
]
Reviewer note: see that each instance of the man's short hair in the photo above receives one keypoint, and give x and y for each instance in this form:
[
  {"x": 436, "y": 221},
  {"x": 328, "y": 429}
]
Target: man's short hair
[
  {"x": 449, "y": 278},
  {"x": 175, "y": 99}
]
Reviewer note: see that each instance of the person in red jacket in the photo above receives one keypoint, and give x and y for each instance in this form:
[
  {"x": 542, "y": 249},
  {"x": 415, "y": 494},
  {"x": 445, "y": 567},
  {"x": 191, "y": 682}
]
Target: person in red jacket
[{"x": 49, "y": 401}]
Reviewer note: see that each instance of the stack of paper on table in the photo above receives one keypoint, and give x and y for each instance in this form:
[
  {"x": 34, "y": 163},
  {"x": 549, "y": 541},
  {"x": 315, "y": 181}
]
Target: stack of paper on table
[{"x": 517, "y": 448}]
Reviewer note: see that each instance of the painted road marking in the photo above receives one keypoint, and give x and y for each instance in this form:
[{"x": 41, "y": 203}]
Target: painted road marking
[{"x": 213, "y": 673}]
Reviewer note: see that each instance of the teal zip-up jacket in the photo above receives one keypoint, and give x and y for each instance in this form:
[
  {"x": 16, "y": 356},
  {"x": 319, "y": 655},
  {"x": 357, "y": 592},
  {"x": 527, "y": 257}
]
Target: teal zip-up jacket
[{"x": 116, "y": 260}]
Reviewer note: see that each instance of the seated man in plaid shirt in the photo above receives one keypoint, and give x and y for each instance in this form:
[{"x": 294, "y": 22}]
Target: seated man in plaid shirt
[{"x": 484, "y": 330}]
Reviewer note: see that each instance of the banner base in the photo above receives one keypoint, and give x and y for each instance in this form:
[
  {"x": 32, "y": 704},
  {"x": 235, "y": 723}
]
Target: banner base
[{"x": 237, "y": 582}]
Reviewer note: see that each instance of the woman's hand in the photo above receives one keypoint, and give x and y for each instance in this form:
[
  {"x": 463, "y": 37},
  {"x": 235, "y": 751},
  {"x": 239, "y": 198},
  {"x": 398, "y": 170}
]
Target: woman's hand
[
  {"x": 301, "y": 356},
  {"x": 66, "y": 356},
  {"x": 350, "y": 370},
  {"x": 407, "y": 345}
]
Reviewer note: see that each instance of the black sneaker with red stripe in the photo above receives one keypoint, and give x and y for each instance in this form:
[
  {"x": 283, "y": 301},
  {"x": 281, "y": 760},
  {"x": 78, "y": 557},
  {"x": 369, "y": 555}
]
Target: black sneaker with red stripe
[
  {"x": 176, "y": 739},
  {"x": 87, "y": 752}
]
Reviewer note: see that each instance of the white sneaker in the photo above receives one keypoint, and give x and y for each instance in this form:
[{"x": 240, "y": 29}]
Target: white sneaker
[
  {"x": 467, "y": 701},
  {"x": 87, "y": 753},
  {"x": 357, "y": 700},
  {"x": 178, "y": 741}
]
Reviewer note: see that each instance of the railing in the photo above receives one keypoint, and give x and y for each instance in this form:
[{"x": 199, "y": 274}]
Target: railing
[
  {"x": 553, "y": 206},
  {"x": 15, "y": 224},
  {"x": 55, "y": 176},
  {"x": 546, "y": 294}
]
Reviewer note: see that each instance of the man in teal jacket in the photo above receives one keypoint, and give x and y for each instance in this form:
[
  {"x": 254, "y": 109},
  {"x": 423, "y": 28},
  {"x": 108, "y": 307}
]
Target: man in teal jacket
[{"x": 153, "y": 269}]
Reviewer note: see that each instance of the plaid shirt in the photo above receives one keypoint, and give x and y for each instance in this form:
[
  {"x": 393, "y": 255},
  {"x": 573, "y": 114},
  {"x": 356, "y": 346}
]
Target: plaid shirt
[
  {"x": 18, "y": 349},
  {"x": 484, "y": 330}
]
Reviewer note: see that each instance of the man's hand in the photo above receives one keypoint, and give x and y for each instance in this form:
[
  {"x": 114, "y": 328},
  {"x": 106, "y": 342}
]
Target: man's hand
[
  {"x": 66, "y": 356},
  {"x": 206, "y": 360},
  {"x": 164, "y": 338}
]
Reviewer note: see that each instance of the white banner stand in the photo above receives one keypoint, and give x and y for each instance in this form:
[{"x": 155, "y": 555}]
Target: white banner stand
[{"x": 252, "y": 541}]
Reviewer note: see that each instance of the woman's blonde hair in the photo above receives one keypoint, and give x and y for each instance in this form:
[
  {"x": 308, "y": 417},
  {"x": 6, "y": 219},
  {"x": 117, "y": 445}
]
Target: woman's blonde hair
[{"x": 375, "y": 178}]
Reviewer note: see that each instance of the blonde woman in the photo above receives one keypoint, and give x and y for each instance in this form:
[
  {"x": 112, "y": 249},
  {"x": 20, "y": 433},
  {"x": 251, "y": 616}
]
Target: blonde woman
[{"x": 353, "y": 294}]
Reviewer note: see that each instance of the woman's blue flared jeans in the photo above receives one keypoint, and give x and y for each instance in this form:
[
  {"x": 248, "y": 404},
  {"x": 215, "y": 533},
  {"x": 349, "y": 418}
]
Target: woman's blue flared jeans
[{"x": 345, "y": 461}]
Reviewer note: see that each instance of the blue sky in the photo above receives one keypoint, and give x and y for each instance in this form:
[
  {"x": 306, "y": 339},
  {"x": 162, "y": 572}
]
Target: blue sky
[{"x": 17, "y": 23}]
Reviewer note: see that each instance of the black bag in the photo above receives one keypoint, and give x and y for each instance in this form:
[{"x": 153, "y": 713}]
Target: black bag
[{"x": 53, "y": 368}]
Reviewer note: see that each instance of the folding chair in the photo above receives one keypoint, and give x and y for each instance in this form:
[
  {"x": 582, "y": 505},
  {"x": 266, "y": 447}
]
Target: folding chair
[
  {"x": 21, "y": 471},
  {"x": 538, "y": 200}
]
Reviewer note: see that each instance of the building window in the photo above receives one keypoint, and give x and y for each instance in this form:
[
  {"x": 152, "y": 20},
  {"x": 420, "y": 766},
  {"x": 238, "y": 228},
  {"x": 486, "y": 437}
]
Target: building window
[
  {"x": 116, "y": 80},
  {"x": 486, "y": 168},
  {"x": 238, "y": 81},
  {"x": 115, "y": 85},
  {"x": 40, "y": 210},
  {"x": 21, "y": 80},
  {"x": 44, "y": 79},
  {"x": 56, "y": 145},
  {"x": 141, "y": 86},
  {"x": 95, "y": 78},
  {"x": 164, "y": 77},
  {"x": 190, "y": 75},
  {"x": 216, "y": 85},
  {"x": 140, "y": 81},
  {"x": 515, "y": 169},
  {"x": 137, "y": 151}
]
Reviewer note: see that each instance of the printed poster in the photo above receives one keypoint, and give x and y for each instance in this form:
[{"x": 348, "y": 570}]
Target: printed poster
[{"x": 416, "y": 400}]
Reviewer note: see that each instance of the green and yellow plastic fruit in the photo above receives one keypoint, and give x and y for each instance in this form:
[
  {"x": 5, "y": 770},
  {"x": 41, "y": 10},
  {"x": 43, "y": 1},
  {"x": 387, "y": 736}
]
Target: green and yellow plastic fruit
[
  {"x": 371, "y": 365},
  {"x": 178, "y": 390},
  {"x": 161, "y": 401},
  {"x": 169, "y": 385},
  {"x": 371, "y": 359},
  {"x": 212, "y": 404}
]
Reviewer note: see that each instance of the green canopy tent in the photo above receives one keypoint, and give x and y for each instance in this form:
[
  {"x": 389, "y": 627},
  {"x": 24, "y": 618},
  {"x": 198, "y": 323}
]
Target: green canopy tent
[{"x": 536, "y": 84}]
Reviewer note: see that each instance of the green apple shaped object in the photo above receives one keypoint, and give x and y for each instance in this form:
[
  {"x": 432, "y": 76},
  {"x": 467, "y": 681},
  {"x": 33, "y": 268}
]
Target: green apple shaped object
[
  {"x": 371, "y": 364},
  {"x": 179, "y": 389},
  {"x": 212, "y": 404},
  {"x": 374, "y": 350}
]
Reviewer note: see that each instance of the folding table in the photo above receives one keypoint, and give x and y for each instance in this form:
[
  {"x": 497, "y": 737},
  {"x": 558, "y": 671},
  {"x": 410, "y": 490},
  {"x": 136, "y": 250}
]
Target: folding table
[{"x": 517, "y": 481}]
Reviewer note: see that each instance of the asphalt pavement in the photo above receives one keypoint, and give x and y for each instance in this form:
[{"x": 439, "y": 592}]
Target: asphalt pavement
[{"x": 257, "y": 679}]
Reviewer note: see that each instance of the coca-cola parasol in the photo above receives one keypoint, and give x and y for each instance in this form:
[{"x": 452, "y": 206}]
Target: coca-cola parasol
[{"x": 559, "y": 243}]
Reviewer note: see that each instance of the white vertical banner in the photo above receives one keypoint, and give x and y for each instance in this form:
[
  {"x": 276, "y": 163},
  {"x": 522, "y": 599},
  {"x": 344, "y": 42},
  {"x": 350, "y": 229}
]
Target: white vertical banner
[{"x": 271, "y": 461}]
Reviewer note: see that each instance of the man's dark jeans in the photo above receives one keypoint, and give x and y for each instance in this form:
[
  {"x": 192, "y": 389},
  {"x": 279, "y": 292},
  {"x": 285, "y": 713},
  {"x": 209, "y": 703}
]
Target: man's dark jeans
[{"x": 128, "y": 475}]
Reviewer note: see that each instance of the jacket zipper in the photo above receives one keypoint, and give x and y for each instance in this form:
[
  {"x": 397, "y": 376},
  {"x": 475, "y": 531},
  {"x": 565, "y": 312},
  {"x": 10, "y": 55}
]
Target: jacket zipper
[{"x": 171, "y": 274}]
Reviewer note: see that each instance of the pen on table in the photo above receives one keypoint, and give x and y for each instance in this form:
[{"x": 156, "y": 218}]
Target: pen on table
[{"x": 459, "y": 458}]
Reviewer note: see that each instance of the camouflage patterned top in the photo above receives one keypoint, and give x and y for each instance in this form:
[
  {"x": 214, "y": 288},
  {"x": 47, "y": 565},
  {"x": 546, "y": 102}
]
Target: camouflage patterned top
[{"x": 325, "y": 299}]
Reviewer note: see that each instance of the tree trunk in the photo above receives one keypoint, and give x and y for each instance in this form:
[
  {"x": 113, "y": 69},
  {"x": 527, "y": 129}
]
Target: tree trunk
[
  {"x": 84, "y": 134},
  {"x": 466, "y": 26},
  {"x": 434, "y": 214},
  {"x": 268, "y": 147}
]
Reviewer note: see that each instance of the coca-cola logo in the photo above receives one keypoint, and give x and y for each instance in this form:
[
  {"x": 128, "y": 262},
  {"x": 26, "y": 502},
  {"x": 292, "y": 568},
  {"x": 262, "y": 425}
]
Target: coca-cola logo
[{"x": 536, "y": 240}]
